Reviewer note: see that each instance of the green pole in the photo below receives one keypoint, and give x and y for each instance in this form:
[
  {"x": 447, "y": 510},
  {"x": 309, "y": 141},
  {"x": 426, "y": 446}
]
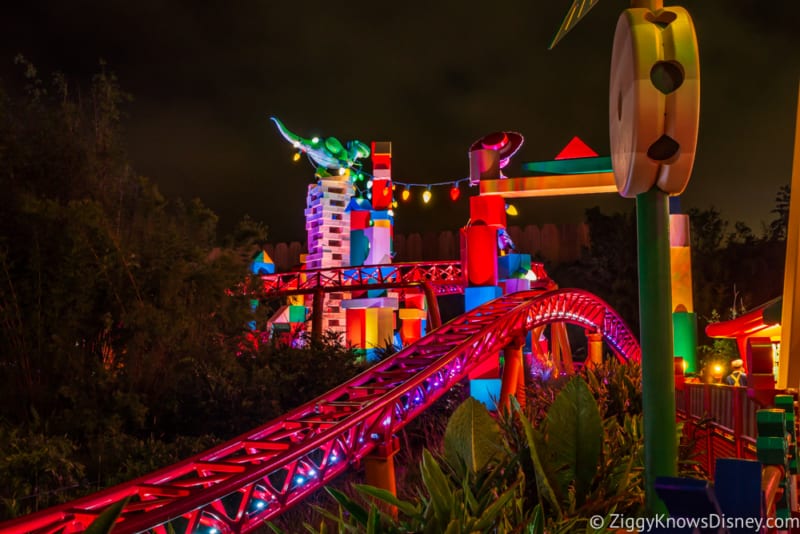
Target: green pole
[{"x": 655, "y": 317}]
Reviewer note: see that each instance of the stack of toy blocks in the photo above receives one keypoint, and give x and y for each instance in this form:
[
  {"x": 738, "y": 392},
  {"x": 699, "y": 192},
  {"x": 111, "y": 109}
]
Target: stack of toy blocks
[
  {"x": 788, "y": 503},
  {"x": 512, "y": 271},
  {"x": 479, "y": 253},
  {"x": 328, "y": 229},
  {"x": 412, "y": 318},
  {"x": 773, "y": 447},
  {"x": 684, "y": 320},
  {"x": 371, "y": 319}
]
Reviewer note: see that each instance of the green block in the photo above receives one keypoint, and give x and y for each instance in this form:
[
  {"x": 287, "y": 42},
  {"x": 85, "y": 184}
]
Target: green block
[
  {"x": 684, "y": 342},
  {"x": 297, "y": 314},
  {"x": 771, "y": 450},
  {"x": 785, "y": 402},
  {"x": 771, "y": 423}
]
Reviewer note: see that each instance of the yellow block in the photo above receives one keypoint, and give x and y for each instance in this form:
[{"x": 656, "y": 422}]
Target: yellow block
[
  {"x": 681, "y": 267},
  {"x": 789, "y": 365},
  {"x": 411, "y": 313},
  {"x": 550, "y": 186}
]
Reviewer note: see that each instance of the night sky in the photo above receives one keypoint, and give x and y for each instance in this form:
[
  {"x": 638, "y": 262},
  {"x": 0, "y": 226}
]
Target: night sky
[{"x": 431, "y": 77}]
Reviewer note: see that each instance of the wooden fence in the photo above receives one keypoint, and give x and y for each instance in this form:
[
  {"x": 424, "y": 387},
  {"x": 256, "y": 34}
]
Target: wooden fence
[{"x": 556, "y": 243}]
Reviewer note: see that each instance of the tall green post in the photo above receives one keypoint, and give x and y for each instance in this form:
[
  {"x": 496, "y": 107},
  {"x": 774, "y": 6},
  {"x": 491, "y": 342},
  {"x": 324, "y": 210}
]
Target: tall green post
[{"x": 655, "y": 315}]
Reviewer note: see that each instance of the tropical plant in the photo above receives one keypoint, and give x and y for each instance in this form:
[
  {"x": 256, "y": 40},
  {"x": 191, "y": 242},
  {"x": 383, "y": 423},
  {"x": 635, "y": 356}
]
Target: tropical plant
[
  {"x": 475, "y": 486},
  {"x": 583, "y": 465}
]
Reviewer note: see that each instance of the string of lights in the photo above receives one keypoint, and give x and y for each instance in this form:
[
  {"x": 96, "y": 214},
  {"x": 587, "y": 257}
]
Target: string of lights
[{"x": 363, "y": 182}]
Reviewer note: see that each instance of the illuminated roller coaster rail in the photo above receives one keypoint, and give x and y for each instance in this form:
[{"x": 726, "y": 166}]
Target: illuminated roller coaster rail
[{"x": 237, "y": 485}]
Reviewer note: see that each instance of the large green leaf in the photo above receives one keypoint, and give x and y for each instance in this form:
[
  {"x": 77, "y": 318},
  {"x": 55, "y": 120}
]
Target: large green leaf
[
  {"x": 439, "y": 489},
  {"x": 105, "y": 521},
  {"x": 574, "y": 434},
  {"x": 406, "y": 507},
  {"x": 535, "y": 445},
  {"x": 472, "y": 436},
  {"x": 577, "y": 11},
  {"x": 357, "y": 512}
]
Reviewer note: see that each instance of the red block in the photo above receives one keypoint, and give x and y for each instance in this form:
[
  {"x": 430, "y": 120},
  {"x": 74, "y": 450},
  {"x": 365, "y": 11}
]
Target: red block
[
  {"x": 359, "y": 220},
  {"x": 491, "y": 209},
  {"x": 410, "y": 331},
  {"x": 381, "y": 194},
  {"x": 356, "y": 327},
  {"x": 381, "y": 155},
  {"x": 481, "y": 251},
  {"x": 488, "y": 368},
  {"x": 415, "y": 300}
]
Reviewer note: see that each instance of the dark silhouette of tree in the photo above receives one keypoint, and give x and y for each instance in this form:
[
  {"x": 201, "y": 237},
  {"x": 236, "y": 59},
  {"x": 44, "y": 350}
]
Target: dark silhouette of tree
[{"x": 779, "y": 225}]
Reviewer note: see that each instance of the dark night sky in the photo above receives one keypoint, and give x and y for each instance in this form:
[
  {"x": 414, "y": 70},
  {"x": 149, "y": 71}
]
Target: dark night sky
[{"x": 429, "y": 76}]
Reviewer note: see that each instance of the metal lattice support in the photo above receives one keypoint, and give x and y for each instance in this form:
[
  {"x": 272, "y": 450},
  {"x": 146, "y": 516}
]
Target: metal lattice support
[
  {"x": 236, "y": 486},
  {"x": 441, "y": 273},
  {"x": 445, "y": 276}
]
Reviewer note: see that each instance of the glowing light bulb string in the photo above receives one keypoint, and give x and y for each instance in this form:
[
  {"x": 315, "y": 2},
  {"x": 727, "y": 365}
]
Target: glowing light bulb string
[
  {"x": 361, "y": 175},
  {"x": 454, "y": 186}
]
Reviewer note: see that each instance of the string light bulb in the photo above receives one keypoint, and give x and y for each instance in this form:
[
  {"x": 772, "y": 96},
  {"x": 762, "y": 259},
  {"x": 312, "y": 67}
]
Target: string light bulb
[
  {"x": 455, "y": 192},
  {"x": 426, "y": 196},
  {"x": 406, "y": 194},
  {"x": 296, "y": 157},
  {"x": 511, "y": 209}
]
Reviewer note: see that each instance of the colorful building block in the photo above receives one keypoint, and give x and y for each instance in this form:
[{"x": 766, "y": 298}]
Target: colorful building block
[
  {"x": 513, "y": 266},
  {"x": 490, "y": 209},
  {"x": 475, "y": 296},
  {"x": 512, "y": 285},
  {"x": 479, "y": 254},
  {"x": 486, "y": 390},
  {"x": 262, "y": 264}
]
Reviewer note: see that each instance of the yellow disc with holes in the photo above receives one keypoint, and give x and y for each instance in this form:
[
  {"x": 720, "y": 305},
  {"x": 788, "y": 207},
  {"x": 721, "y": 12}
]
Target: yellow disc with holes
[{"x": 654, "y": 100}]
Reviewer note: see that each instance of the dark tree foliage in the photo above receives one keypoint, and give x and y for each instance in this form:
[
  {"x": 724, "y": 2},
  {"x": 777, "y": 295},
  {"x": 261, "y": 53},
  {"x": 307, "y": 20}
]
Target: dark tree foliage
[
  {"x": 738, "y": 270},
  {"x": 118, "y": 332},
  {"x": 732, "y": 270},
  {"x": 608, "y": 268}
]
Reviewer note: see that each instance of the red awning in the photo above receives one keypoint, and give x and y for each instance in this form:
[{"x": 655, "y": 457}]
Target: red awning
[{"x": 748, "y": 324}]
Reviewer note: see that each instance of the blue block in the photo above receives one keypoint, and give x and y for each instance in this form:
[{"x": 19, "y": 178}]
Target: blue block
[
  {"x": 259, "y": 267},
  {"x": 486, "y": 390},
  {"x": 513, "y": 266},
  {"x": 381, "y": 215},
  {"x": 371, "y": 356},
  {"x": 737, "y": 485},
  {"x": 477, "y": 295},
  {"x": 686, "y": 498},
  {"x": 359, "y": 247}
]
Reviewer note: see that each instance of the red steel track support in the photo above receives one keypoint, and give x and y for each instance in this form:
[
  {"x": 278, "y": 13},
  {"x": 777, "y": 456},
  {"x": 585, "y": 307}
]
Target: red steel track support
[{"x": 236, "y": 486}]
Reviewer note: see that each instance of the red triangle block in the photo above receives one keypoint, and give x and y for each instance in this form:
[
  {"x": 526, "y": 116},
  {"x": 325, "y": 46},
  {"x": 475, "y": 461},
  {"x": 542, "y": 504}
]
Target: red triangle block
[{"x": 576, "y": 149}]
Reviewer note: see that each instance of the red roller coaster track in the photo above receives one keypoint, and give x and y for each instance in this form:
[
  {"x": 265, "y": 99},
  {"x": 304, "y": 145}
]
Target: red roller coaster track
[{"x": 236, "y": 486}]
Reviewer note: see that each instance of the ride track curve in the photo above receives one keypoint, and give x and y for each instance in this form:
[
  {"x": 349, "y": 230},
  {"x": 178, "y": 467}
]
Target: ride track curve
[{"x": 238, "y": 485}]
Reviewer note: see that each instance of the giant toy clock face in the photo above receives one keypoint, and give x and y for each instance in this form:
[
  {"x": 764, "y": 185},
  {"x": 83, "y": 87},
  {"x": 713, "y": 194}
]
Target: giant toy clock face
[{"x": 654, "y": 100}]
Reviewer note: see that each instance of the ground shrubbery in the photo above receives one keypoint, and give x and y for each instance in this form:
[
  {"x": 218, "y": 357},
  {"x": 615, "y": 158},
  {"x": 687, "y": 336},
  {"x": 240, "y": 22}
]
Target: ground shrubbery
[{"x": 575, "y": 452}]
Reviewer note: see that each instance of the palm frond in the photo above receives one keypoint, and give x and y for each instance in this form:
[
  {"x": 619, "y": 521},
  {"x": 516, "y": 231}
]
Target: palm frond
[{"x": 576, "y": 12}]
